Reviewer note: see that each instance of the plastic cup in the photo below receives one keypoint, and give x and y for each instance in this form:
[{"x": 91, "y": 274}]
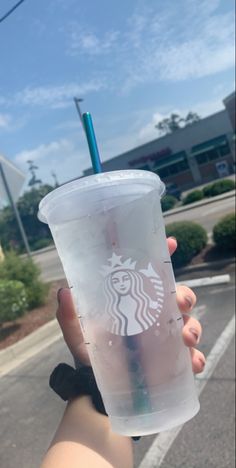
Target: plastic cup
[{"x": 109, "y": 233}]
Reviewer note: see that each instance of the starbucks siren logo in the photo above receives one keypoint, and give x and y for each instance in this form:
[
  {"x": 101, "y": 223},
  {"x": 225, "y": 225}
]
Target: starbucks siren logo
[{"x": 129, "y": 308}]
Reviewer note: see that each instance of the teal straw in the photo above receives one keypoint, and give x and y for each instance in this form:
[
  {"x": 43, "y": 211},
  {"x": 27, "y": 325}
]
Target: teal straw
[
  {"x": 142, "y": 404},
  {"x": 92, "y": 143}
]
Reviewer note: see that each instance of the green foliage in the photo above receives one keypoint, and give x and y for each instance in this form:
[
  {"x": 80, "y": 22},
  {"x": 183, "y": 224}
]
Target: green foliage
[
  {"x": 168, "y": 202},
  {"x": 28, "y": 209},
  {"x": 13, "y": 301},
  {"x": 175, "y": 122},
  {"x": 27, "y": 272},
  {"x": 207, "y": 190},
  {"x": 224, "y": 232},
  {"x": 218, "y": 187},
  {"x": 191, "y": 238},
  {"x": 192, "y": 197}
]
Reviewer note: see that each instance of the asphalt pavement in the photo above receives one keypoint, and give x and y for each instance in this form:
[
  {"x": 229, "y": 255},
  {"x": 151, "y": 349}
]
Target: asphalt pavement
[{"x": 30, "y": 411}]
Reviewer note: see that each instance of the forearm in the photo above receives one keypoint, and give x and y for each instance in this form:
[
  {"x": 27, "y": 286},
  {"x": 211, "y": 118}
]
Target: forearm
[{"x": 84, "y": 439}]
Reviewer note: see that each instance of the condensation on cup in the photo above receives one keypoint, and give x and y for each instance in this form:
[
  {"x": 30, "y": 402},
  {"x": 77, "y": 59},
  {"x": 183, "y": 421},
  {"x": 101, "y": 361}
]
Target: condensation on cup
[{"x": 109, "y": 233}]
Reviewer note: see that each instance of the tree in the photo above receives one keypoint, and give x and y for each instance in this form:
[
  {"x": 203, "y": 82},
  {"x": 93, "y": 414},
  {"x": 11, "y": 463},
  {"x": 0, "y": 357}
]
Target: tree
[
  {"x": 32, "y": 168},
  {"x": 191, "y": 118},
  {"x": 38, "y": 233},
  {"x": 175, "y": 122}
]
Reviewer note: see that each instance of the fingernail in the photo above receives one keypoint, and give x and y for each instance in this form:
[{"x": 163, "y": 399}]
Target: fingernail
[
  {"x": 189, "y": 301},
  {"x": 195, "y": 334},
  {"x": 203, "y": 362},
  {"x": 172, "y": 237},
  {"x": 58, "y": 295}
]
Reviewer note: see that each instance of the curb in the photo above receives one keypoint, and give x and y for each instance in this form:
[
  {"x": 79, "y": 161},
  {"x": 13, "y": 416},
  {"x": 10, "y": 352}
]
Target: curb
[
  {"x": 26, "y": 348},
  {"x": 217, "y": 265},
  {"x": 207, "y": 201},
  {"x": 47, "y": 334}
]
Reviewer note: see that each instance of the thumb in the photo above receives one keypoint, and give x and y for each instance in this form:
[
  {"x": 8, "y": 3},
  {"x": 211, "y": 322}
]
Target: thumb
[{"x": 70, "y": 326}]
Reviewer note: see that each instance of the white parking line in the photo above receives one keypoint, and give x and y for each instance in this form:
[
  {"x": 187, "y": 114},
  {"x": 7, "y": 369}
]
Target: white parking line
[
  {"x": 219, "y": 290},
  {"x": 199, "y": 311},
  {"x": 162, "y": 442},
  {"x": 207, "y": 281}
]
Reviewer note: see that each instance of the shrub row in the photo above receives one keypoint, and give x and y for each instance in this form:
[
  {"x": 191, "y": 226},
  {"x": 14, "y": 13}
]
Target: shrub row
[
  {"x": 211, "y": 190},
  {"x": 220, "y": 186},
  {"x": 192, "y": 238},
  {"x": 168, "y": 202}
]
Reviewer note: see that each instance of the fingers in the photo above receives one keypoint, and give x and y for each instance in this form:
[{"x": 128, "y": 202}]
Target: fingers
[
  {"x": 192, "y": 331},
  {"x": 172, "y": 244},
  {"x": 198, "y": 360},
  {"x": 70, "y": 326},
  {"x": 186, "y": 299}
]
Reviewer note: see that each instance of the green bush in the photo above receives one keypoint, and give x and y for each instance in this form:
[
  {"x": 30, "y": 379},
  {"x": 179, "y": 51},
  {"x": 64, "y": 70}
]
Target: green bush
[
  {"x": 13, "y": 301},
  {"x": 168, "y": 202},
  {"x": 191, "y": 238},
  {"x": 224, "y": 232},
  {"x": 218, "y": 187},
  {"x": 25, "y": 270},
  {"x": 207, "y": 190},
  {"x": 193, "y": 196}
]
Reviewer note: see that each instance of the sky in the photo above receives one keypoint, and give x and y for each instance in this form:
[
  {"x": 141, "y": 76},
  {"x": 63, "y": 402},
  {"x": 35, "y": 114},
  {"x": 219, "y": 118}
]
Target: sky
[{"x": 133, "y": 62}]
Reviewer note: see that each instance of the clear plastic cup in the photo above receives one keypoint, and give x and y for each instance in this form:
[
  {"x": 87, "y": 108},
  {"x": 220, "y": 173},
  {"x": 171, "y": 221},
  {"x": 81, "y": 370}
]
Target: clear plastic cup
[{"x": 109, "y": 232}]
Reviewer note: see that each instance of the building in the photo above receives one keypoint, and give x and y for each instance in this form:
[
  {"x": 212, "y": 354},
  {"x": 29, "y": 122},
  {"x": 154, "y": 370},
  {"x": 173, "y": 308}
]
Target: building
[{"x": 190, "y": 156}]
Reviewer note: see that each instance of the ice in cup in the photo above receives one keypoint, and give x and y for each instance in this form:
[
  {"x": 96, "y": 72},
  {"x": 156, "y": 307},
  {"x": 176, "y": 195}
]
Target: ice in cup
[{"x": 109, "y": 233}]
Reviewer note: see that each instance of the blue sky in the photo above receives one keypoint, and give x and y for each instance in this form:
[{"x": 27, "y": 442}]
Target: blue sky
[{"x": 133, "y": 62}]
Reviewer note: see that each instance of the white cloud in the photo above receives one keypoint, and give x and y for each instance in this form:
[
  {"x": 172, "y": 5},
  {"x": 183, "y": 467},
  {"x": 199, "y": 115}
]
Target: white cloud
[
  {"x": 174, "y": 41},
  {"x": 64, "y": 157},
  {"x": 55, "y": 96},
  {"x": 148, "y": 131},
  {"x": 85, "y": 42},
  {"x": 4, "y": 121},
  {"x": 44, "y": 151},
  {"x": 200, "y": 43}
]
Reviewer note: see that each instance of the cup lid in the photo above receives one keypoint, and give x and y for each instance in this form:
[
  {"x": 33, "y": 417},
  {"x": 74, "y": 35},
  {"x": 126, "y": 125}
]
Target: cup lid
[{"x": 92, "y": 182}]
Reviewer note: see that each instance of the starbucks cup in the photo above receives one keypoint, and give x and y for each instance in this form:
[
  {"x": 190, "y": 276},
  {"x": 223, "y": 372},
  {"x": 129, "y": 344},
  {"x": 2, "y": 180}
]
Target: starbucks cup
[{"x": 109, "y": 233}]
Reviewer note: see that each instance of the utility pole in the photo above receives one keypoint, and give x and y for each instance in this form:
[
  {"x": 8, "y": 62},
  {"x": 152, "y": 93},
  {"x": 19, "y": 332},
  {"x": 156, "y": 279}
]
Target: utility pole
[
  {"x": 16, "y": 212},
  {"x": 53, "y": 174},
  {"x": 77, "y": 101}
]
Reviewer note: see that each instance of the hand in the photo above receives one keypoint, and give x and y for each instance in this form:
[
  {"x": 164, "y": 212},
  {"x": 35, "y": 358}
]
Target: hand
[{"x": 186, "y": 299}]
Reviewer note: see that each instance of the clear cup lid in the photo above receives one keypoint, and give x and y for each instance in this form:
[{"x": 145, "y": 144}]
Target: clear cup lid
[{"x": 91, "y": 185}]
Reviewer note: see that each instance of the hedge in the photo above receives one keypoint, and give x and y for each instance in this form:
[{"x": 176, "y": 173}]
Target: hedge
[
  {"x": 218, "y": 187},
  {"x": 193, "y": 196},
  {"x": 168, "y": 202},
  {"x": 13, "y": 300},
  {"x": 224, "y": 232},
  {"x": 191, "y": 239},
  {"x": 27, "y": 272}
]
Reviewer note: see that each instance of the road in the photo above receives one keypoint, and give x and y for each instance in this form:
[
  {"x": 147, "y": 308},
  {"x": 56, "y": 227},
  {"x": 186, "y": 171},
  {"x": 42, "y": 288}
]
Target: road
[
  {"x": 30, "y": 411},
  {"x": 206, "y": 215}
]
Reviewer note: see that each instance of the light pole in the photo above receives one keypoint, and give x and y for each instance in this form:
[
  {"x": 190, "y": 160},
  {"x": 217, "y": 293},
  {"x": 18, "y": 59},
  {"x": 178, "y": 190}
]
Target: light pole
[
  {"x": 16, "y": 212},
  {"x": 77, "y": 101}
]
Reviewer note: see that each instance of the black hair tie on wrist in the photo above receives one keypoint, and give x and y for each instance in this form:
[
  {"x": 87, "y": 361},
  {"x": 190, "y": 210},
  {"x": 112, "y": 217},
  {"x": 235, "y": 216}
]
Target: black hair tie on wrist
[{"x": 68, "y": 383}]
